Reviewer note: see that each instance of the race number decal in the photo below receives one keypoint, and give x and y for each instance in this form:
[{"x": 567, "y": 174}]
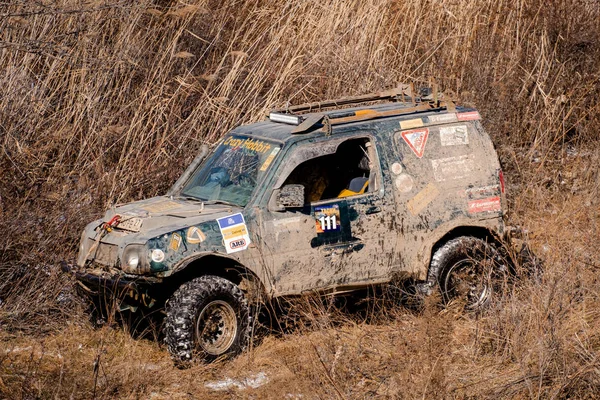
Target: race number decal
[{"x": 327, "y": 218}]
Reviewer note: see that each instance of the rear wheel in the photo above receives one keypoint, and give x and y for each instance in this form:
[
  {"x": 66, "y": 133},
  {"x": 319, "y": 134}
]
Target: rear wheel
[
  {"x": 469, "y": 270},
  {"x": 207, "y": 317}
]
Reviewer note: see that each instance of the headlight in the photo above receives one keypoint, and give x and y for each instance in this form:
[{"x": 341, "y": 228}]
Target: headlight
[{"x": 134, "y": 259}]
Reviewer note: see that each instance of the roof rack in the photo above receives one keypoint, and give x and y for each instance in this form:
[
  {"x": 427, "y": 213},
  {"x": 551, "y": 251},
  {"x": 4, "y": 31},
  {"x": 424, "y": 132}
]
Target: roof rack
[
  {"x": 428, "y": 100},
  {"x": 403, "y": 93}
]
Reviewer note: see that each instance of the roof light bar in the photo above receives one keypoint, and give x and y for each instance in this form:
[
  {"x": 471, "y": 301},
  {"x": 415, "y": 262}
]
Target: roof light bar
[{"x": 286, "y": 118}]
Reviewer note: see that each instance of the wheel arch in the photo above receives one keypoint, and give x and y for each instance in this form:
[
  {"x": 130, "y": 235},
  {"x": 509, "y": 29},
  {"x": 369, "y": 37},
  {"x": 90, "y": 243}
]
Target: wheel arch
[
  {"x": 216, "y": 265},
  {"x": 488, "y": 230},
  {"x": 480, "y": 232},
  {"x": 485, "y": 233}
]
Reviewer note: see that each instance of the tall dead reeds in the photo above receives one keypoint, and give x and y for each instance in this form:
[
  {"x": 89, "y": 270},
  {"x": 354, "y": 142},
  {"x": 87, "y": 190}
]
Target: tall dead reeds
[{"x": 104, "y": 102}]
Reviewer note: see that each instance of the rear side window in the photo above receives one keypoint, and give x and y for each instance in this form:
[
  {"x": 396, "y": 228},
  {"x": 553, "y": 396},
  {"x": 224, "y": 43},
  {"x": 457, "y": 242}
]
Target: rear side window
[{"x": 440, "y": 153}]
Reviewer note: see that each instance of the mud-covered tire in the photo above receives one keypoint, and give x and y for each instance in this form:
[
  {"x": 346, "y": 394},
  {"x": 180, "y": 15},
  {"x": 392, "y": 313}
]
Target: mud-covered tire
[
  {"x": 469, "y": 270},
  {"x": 207, "y": 317}
]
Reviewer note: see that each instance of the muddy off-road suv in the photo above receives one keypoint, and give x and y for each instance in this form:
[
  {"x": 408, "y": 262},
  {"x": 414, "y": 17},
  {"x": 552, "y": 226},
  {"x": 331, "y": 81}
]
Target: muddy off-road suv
[{"x": 317, "y": 198}]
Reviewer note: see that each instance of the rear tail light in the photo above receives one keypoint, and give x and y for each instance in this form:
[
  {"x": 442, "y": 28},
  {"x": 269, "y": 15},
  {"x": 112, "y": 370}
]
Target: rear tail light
[{"x": 501, "y": 177}]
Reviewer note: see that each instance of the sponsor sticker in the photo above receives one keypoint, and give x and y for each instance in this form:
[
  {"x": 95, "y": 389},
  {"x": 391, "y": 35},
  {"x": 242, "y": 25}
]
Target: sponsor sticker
[
  {"x": 468, "y": 116},
  {"x": 234, "y": 232},
  {"x": 175, "y": 242},
  {"x": 490, "y": 204},
  {"x": 404, "y": 183},
  {"x": 442, "y": 118},
  {"x": 453, "y": 167},
  {"x": 161, "y": 206},
  {"x": 255, "y": 145},
  {"x": 327, "y": 218},
  {"x": 411, "y": 123},
  {"x": 454, "y": 135},
  {"x": 397, "y": 168},
  {"x": 422, "y": 199},
  {"x": 416, "y": 140},
  {"x": 269, "y": 159},
  {"x": 194, "y": 235},
  {"x": 483, "y": 191}
]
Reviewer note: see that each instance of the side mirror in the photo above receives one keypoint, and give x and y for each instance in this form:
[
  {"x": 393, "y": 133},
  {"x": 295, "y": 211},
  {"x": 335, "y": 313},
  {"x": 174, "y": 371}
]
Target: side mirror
[{"x": 291, "y": 196}]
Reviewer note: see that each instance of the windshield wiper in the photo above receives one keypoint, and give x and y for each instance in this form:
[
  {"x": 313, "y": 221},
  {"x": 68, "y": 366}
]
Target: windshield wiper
[
  {"x": 191, "y": 198},
  {"x": 227, "y": 203}
]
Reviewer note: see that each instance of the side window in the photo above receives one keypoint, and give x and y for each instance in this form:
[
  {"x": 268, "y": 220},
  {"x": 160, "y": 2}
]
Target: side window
[
  {"x": 349, "y": 171},
  {"x": 441, "y": 153}
]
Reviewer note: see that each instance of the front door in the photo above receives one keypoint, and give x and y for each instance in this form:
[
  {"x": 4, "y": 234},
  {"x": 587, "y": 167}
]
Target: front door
[{"x": 336, "y": 239}]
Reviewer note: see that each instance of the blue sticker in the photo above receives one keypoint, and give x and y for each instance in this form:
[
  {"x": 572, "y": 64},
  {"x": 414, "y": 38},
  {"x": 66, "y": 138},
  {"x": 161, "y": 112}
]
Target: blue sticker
[{"x": 230, "y": 220}]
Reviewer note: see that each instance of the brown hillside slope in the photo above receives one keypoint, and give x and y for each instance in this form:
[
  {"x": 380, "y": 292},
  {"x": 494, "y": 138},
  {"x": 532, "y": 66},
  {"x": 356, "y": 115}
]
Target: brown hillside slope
[{"x": 107, "y": 101}]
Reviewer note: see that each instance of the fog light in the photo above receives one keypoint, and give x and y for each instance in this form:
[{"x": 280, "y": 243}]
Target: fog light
[{"x": 158, "y": 255}]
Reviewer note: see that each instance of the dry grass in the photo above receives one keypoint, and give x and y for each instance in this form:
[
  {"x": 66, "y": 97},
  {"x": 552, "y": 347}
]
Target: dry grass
[{"x": 107, "y": 101}]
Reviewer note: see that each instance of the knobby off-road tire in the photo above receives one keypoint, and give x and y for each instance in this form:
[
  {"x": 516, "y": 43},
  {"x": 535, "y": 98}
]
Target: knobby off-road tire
[
  {"x": 470, "y": 270},
  {"x": 207, "y": 317}
]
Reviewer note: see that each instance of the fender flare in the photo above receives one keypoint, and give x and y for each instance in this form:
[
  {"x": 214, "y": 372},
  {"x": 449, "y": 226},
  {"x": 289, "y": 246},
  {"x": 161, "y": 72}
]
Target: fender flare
[
  {"x": 477, "y": 228},
  {"x": 227, "y": 267}
]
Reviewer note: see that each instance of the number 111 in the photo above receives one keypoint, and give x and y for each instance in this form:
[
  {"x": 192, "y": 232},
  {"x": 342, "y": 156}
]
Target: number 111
[{"x": 328, "y": 223}]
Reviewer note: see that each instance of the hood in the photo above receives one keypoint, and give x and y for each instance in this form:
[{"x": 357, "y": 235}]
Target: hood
[
  {"x": 148, "y": 218},
  {"x": 153, "y": 222}
]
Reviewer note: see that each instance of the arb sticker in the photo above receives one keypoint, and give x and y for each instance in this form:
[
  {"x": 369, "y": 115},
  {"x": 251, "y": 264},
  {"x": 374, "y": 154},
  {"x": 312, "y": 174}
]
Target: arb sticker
[
  {"x": 234, "y": 231},
  {"x": 484, "y": 205},
  {"x": 327, "y": 218},
  {"x": 416, "y": 140}
]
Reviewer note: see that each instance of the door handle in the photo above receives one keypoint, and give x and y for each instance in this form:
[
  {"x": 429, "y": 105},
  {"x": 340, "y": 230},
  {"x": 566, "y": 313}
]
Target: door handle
[
  {"x": 373, "y": 210},
  {"x": 342, "y": 249}
]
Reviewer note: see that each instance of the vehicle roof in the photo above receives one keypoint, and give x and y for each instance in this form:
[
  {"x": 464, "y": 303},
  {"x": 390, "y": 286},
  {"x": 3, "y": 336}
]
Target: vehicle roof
[{"x": 281, "y": 132}]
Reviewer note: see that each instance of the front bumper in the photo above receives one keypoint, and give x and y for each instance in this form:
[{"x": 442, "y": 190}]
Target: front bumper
[{"x": 131, "y": 290}]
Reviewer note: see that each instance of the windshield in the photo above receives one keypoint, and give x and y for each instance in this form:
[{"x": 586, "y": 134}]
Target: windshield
[{"x": 232, "y": 172}]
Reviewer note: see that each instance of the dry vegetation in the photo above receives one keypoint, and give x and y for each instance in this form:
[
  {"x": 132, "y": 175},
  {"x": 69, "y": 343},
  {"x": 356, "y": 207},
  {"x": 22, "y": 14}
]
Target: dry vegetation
[{"x": 105, "y": 101}]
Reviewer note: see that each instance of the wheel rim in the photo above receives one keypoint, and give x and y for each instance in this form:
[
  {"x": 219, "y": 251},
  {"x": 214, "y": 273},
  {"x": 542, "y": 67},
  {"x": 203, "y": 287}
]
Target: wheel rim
[
  {"x": 216, "y": 327},
  {"x": 468, "y": 280}
]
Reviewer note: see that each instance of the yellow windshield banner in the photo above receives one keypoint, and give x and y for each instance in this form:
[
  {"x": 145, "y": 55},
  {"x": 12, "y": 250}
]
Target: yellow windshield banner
[{"x": 250, "y": 144}]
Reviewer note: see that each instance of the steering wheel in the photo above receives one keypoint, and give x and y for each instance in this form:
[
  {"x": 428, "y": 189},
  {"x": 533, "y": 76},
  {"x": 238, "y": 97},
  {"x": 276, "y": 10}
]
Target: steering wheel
[{"x": 245, "y": 179}]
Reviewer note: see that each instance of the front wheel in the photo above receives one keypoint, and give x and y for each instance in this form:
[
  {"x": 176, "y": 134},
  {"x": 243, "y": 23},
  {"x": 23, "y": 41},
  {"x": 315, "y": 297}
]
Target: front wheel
[
  {"x": 207, "y": 317},
  {"x": 469, "y": 270}
]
